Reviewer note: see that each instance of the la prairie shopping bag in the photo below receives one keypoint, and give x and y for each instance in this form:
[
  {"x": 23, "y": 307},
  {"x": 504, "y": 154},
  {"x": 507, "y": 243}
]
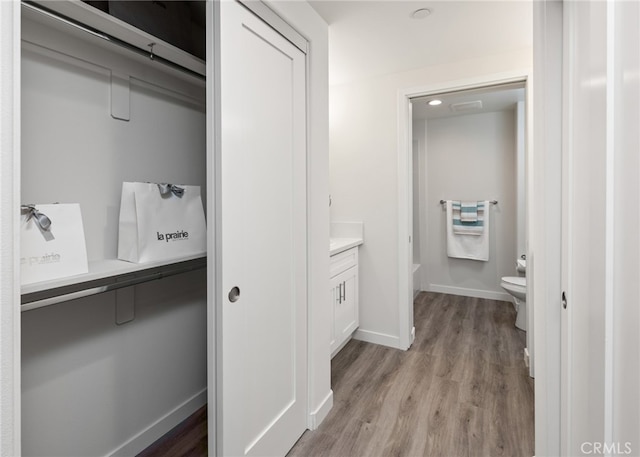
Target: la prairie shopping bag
[
  {"x": 160, "y": 222},
  {"x": 52, "y": 243}
]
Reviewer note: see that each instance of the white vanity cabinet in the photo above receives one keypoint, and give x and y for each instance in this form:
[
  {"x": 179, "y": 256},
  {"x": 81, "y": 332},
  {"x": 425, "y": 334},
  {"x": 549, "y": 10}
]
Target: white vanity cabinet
[{"x": 343, "y": 297}]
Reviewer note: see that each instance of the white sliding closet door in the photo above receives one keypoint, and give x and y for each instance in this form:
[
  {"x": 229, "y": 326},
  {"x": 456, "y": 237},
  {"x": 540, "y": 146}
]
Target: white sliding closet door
[{"x": 262, "y": 402}]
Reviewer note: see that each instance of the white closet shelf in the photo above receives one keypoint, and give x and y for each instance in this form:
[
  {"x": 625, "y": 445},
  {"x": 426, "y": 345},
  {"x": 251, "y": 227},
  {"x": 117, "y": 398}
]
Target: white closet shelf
[
  {"x": 103, "y": 276},
  {"x": 101, "y": 26}
]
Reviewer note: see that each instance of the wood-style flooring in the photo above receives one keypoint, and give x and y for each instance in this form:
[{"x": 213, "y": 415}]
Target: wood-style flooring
[
  {"x": 461, "y": 390},
  {"x": 187, "y": 439}
]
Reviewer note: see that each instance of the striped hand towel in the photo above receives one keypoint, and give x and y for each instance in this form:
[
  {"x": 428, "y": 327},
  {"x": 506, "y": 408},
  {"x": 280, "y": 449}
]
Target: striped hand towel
[
  {"x": 469, "y": 211},
  {"x": 462, "y": 227}
]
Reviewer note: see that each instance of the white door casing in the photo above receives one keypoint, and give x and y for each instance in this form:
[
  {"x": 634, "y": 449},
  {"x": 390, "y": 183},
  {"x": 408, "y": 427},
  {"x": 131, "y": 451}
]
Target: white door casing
[
  {"x": 544, "y": 213},
  {"x": 262, "y": 403},
  {"x": 10, "y": 376},
  {"x": 601, "y": 252},
  {"x": 405, "y": 188}
]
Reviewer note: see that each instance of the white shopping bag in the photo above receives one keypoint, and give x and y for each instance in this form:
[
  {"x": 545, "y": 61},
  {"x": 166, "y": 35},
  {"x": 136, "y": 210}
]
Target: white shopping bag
[
  {"x": 160, "y": 222},
  {"x": 52, "y": 242}
]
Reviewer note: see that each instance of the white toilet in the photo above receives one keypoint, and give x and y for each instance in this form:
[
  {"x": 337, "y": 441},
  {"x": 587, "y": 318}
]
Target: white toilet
[{"x": 516, "y": 286}]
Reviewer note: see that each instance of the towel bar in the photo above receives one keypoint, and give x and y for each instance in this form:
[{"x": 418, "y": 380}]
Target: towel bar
[{"x": 493, "y": 202}]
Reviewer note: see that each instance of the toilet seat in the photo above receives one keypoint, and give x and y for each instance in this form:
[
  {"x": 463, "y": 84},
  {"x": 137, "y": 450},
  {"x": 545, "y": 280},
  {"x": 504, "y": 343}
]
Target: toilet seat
[
  {"x": 515, "y": 280},
  {"x": 515, "y": 285}
]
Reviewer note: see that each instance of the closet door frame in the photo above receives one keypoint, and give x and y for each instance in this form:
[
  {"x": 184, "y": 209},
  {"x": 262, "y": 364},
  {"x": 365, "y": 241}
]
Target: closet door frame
[
  {"x": 406, "y": 329},
  {"x": 10, "y": 354}
]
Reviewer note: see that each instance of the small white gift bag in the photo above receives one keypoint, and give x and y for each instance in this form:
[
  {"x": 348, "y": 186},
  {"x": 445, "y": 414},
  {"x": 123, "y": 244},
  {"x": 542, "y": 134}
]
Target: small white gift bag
[
  {"x": 160, "y": 222},
  {"x": 52, "y": 243}
]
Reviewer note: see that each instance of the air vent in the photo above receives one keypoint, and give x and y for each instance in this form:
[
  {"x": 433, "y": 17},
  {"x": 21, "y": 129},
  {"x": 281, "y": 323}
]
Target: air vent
[{"x": 466, "y": 106}]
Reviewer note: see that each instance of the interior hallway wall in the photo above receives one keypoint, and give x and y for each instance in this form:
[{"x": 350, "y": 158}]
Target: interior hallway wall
[{"x": 471, "y": 157}]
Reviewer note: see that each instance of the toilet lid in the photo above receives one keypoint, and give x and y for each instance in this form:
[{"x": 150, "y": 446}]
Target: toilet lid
[{"x": 516, "y": 280}]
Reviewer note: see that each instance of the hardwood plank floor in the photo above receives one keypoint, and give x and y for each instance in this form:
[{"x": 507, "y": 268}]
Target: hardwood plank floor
[
  {"x": 187, "y": 439},
  {"x": 461, "y": 390}
]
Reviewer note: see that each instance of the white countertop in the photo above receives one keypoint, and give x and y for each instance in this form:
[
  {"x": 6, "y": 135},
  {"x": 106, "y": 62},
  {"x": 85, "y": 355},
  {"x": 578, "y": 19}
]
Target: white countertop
[{"x": 338, "y": 245}]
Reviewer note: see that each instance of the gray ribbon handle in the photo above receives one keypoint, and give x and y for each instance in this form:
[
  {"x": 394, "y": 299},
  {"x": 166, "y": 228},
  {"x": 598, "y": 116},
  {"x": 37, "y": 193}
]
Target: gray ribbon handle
[
  {"x": 168, "y": 189},
  {"x": 41, "y": 219}
]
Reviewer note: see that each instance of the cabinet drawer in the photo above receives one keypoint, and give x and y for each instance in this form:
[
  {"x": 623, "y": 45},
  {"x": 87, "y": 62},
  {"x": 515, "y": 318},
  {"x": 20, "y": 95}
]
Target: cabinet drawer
[{"x": 343, "y": 261}]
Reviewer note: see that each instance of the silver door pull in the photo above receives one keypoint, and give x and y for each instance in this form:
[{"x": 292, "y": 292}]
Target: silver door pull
[{"x": 234, "y": 294}]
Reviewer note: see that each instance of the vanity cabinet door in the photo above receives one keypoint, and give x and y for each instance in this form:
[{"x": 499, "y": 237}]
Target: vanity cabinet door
[
  {"x": 346, "y": 305},
  {"x": 334, "y": 296},
  {"x": 344, "y": 298}
]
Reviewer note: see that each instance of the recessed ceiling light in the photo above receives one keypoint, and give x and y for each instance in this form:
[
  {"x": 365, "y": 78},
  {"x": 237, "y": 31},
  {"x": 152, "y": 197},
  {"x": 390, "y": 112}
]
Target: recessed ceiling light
[
  {"x": 435, "y": 102},
  {"x": 421, "y": 13}
]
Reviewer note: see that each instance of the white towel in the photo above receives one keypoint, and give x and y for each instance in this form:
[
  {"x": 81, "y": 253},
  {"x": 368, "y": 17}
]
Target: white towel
[{"x": 468, "y": 246}]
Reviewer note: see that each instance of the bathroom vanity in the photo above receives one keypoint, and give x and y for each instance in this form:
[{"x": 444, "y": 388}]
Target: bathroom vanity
[{"x": 343, "y": 268}]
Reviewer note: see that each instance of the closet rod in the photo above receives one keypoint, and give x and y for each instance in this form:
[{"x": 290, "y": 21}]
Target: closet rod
[
  {"x": 111, "y": 39},
  {"x": 63, "y": 294},
  {"x": 493, "y": 202}
]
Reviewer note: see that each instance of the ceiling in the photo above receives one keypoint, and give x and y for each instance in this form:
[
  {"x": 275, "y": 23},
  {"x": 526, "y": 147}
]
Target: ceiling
[
  {"x": 499, "y": 98},
  {"x": 370, "y": 38}
]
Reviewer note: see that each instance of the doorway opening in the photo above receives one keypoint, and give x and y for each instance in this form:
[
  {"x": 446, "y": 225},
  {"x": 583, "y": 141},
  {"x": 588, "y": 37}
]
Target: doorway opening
[{"x": 465, "y": 170}]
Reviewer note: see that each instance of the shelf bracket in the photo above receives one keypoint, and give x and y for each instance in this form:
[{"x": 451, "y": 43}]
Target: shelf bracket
[
  {"x": 120, "y": 97},
  {"x": 125, "y": 305}
]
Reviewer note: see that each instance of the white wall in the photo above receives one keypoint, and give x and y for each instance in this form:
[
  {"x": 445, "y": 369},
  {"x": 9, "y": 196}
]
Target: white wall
[
  {"x": 470, "y": 157},
  {"x": 364, "y": 170},
  {"x": 89, "y": 386},
  {"x": 74, "y": 151}
]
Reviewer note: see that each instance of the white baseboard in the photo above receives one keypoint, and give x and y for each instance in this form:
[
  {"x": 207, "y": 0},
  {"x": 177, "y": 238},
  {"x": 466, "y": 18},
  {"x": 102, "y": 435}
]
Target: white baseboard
[
  {"x": 320, "y": 413},
  {"x": 526, "y": 357},
  {"x": 477, "y": 293},
  {"x": 163, "y": 425},
  {"x": 377, "y": 338}
]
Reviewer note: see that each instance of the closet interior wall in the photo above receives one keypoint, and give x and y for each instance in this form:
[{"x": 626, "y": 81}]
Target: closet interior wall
[{"x": 94, "y": 116}]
